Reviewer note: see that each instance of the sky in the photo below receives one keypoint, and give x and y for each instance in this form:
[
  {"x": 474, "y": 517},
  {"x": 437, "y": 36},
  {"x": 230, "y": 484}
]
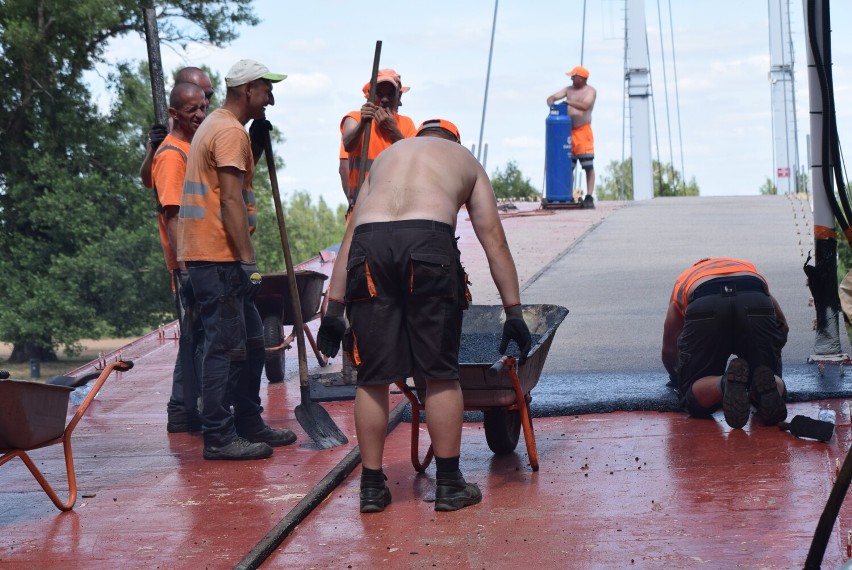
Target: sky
[{"x": 441, "y": 48}]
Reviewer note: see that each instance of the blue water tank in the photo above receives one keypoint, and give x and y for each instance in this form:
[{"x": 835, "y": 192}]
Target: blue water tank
[{"x": 557, "y": 165}]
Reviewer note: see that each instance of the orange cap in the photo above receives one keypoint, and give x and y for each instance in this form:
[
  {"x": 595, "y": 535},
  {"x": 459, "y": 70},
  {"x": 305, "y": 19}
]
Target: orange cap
[
  {"x": 388, "y": 75},
  {"x": 579, "y": 70},
  {"x": 440, "y": 124}
]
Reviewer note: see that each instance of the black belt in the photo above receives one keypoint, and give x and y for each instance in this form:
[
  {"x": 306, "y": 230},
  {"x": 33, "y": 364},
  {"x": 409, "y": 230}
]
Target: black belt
[
  {"x": 728, "y": 286},
  {"x": 404, "y": 225}
]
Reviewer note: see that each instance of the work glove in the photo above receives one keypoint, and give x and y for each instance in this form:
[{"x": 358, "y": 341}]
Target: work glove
[
  {"x": 332, "y": 328},
  {"x": 258, "y": 131},
  {"x": 156, "y": 135},
  {"x": 253, "y": 278},
  {"x": 516, "y": 329}
]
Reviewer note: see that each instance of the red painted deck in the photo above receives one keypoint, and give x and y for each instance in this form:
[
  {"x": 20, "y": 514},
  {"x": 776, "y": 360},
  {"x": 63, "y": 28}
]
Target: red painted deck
[{"x": 620, "y": 490}]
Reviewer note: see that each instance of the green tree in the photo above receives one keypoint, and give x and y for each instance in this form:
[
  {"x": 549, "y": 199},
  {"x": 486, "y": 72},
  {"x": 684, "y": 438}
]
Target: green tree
[
  {"x": 768, "y": 188},
  {"x": 78, "y": 245},
  {"x": 510, "y": 184},
  {"x": 310, "y": 228},
  {"x": 616, "y": 183}
]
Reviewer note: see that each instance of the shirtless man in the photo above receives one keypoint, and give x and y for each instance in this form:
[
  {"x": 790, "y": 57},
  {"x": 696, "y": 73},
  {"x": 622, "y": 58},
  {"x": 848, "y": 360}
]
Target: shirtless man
[
  {"x": 404, "y": 289},
  {"x": 580, "y": 97}
]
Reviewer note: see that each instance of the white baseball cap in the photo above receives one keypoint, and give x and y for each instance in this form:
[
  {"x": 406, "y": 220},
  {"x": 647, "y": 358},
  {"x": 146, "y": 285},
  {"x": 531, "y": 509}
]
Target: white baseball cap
[{"x": 247, "y": 70}]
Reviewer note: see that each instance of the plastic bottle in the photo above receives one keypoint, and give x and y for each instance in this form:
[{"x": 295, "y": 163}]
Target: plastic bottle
[
  {"x": 827, "y": 416},
  {"x": 79, "y": 394}
]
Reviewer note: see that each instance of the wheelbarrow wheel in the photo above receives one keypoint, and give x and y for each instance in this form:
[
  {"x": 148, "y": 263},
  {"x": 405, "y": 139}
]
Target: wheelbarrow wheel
[
  {"x": 273, "y": 335},
  {"x": 502, "y": 429}
]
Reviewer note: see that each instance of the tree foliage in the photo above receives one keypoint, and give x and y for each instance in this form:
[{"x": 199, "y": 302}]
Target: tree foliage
[
  {"x": 617, "y": 181},
  {"x": 310, "y": 228},
  {"x": 768, "y": 188},
  {"x": 78, "y": 239},
  {"x": 510, "y": 184}
]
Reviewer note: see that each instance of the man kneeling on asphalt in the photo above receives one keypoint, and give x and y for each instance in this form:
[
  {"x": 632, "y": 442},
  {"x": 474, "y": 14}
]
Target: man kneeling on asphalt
[
  {"x": 405, "y": 291},
  {"x": 722, "y": 307}
]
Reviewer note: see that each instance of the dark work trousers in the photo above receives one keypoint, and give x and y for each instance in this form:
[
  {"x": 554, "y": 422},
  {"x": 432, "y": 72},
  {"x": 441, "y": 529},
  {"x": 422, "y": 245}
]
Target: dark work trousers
[
  {"x": 233, "y": 354},
  {"x": 183, "y": 404}
]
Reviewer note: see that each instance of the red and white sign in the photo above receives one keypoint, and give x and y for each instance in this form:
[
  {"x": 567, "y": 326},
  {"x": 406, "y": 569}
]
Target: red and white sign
[{"x": 783, "y": 173}]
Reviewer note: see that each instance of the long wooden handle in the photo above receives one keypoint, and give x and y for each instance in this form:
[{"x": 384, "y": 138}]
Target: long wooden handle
[
  {"x": 155, "y": 64},
  {"x": 298, "y": 321},
  {"x": 365, "y": 145}
]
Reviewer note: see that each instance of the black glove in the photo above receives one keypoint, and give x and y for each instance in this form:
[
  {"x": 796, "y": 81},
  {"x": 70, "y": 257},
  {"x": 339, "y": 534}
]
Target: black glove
[
  {"x": 258, "y": 132},
  {"x": 331, "y": 330},
  {"x": 516, "y": 329},
  {"x": 156, "y": 135},
  {"x": 250, "y": 269}
]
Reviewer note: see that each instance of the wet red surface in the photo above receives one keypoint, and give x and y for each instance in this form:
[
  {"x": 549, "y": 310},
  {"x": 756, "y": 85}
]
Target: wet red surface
[
  {"x": 619, "y": 490},
  {"x": 614, "y": 490}
]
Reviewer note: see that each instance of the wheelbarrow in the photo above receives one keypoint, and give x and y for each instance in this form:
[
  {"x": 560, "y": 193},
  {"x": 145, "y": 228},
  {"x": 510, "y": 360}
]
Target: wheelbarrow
[
  {"x": 499, "y": 386},
  {"x": 275, "y": 306},
  {"x": 32, "y": 416}
]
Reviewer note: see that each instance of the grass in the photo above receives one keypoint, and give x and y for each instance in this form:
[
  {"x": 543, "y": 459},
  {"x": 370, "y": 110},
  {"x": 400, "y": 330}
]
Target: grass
[{"x": 91, "y": 350}]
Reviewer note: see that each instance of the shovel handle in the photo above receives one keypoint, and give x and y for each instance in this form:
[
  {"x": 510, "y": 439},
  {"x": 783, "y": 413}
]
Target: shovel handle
[
  {"x": 365, "y": 145},
  {"x": 298, "y": 320}
]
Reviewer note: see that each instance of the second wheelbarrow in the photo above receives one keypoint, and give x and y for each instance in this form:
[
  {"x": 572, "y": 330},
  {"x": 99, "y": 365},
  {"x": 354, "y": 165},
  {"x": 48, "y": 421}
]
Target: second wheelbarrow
[
  {"x": 32, "y": 416},
  {"x": 498, "y": 387},
  {"x": 275, "y": 306}
]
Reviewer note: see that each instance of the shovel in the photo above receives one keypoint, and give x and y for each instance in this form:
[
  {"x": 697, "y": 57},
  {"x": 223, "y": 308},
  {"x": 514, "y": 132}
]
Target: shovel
[
  {"x": 311, "y": 416},
  {"x": 365, "y": 145}
]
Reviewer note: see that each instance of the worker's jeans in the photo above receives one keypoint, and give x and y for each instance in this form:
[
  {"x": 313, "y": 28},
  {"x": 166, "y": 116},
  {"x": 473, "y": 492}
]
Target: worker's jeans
[
  {"x": 183, "y": 407},
  {"x": 233, "y": 353}
]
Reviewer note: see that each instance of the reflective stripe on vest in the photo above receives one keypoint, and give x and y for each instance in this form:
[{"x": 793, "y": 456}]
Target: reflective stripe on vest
[{"x": 712, "y": 267}]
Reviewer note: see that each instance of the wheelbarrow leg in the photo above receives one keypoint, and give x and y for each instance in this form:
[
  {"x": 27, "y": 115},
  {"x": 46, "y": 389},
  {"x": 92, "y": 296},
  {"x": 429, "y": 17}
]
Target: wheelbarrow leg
[
  {"x": 42, "y": 481},
  {"x": 416, "y": 408},
  {"x": 526, "y": 419}
]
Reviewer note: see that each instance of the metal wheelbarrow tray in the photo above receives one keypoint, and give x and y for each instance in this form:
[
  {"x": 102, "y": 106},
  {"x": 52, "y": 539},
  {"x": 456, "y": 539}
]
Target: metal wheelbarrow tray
[
  {"x": 499, "y": 389},
  {"x": 32, "y": 416},
  {"x": 275, "y": 306}
]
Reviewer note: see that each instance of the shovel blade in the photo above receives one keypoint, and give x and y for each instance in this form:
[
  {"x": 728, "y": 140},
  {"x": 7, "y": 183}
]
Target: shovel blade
[{"x": 319, "y": 426}]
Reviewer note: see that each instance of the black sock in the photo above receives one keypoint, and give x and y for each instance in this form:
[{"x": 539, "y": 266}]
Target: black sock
[
  {"x": 447, "y": 467},
  {"x": 372, "y": 477}
]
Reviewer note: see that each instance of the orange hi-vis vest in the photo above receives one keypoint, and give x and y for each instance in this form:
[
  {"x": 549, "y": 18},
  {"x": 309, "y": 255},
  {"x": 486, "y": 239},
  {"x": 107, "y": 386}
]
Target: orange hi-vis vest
[
  {"x": 717, "y": 266},
  {"x": 167, "y": 173},
  {"x": 378, "y": 143}
]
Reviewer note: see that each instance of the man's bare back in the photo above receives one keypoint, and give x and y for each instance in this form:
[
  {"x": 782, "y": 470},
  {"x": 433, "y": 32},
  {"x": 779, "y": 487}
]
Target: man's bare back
[{"x": 423, "y": 178}]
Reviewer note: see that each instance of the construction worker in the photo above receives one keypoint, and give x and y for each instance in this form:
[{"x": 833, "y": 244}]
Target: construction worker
[
  {"x": 387, "y": 126},
  {"x": 722, "y": 307},
  {"x": 580, "y": 98},
  {"x": 399, "y": 272},
  {"x": 187, "y": 109}
]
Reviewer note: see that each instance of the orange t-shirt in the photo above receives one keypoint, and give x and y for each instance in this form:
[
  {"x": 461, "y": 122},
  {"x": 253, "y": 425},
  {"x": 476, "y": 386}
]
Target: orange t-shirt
[
  {"x": 220, "y": 141},
  {"x": 717, "y": 266},
  {"x": 167, "y": 172},
  {"x": 378, "y": 143}
]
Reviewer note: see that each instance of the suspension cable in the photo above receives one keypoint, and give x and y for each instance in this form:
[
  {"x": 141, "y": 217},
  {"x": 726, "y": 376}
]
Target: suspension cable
[{"x": 677, "y": 100}]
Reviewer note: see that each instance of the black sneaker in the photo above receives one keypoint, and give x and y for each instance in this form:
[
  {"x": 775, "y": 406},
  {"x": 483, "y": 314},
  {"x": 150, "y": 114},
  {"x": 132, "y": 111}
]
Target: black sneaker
[
  {"x": 454, "y": 494},
  {"x": 183, "y": 426},
  {"x": 588, "y": 202},
  {"x": 735, "y": 393},
  {"x": 237, "y": 450},
  {"x": 770, "y": 405},
  {"x": 375, "y": 499},
  {"x": 271, "y": 437}
]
